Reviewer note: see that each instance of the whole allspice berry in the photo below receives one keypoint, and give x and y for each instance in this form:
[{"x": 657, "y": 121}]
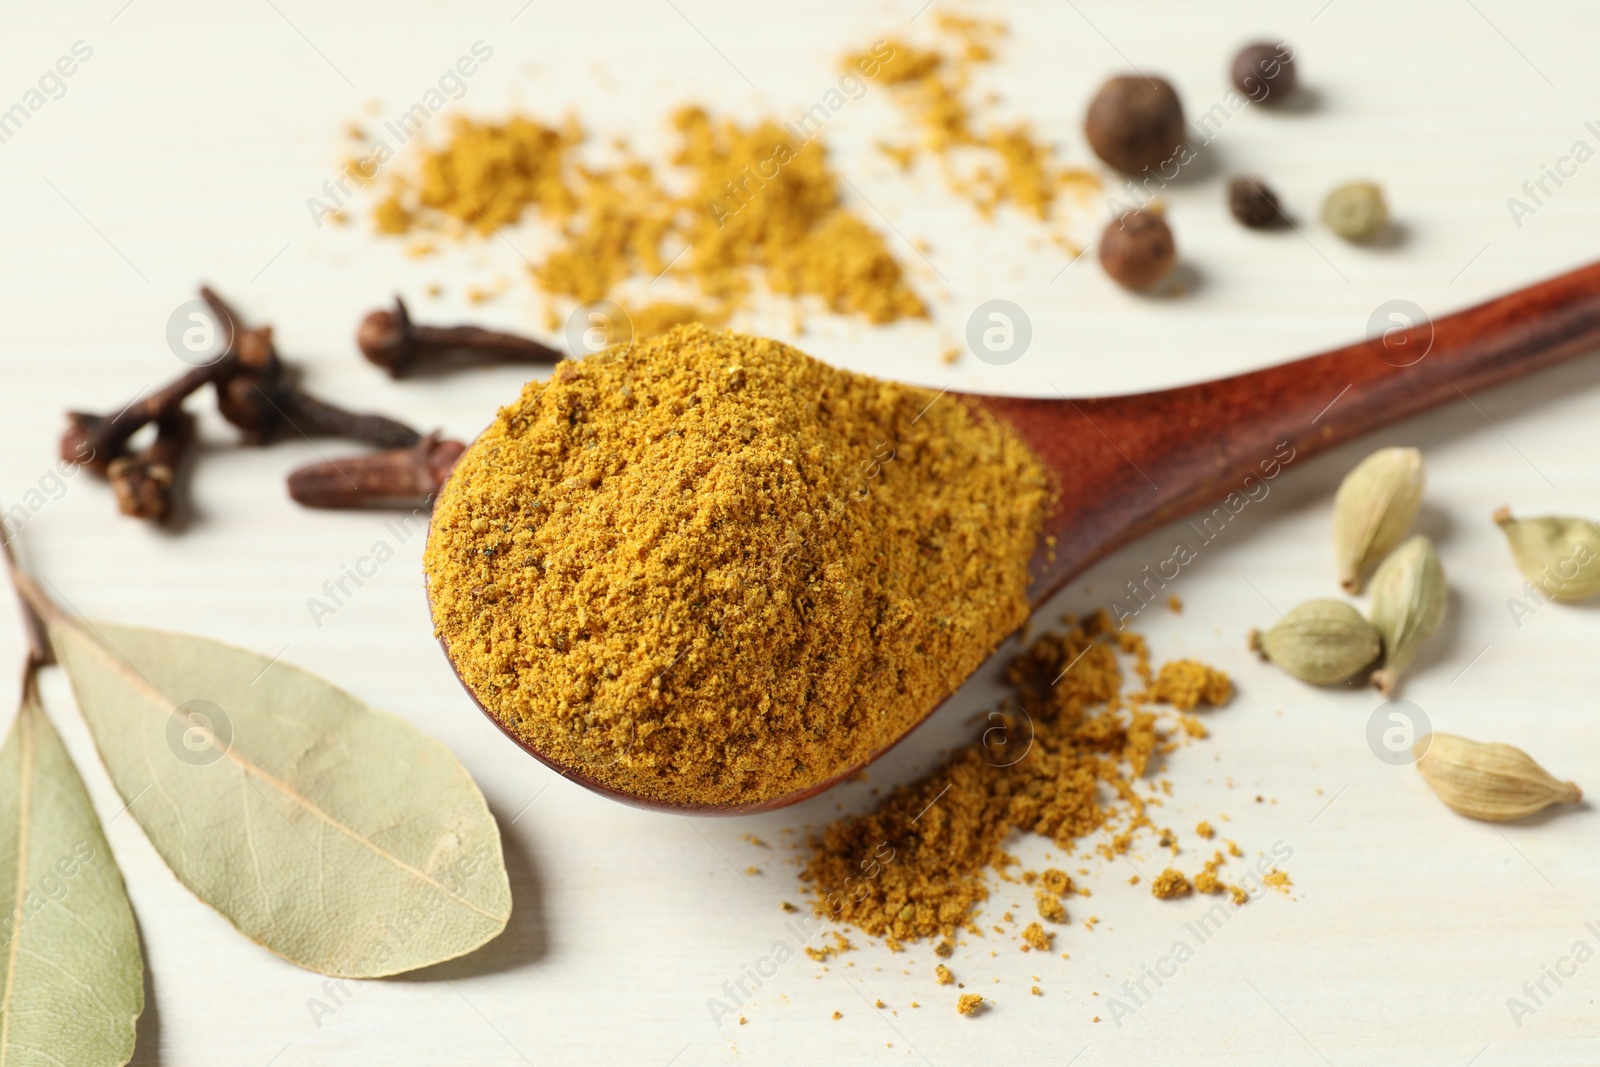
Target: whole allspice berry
[
  {"x": 1254, "y": 204},
  {"x": 1265, "y": 72},
  {"x": 1137, "y": 249},
  {"x": 1135, "y": 123}
]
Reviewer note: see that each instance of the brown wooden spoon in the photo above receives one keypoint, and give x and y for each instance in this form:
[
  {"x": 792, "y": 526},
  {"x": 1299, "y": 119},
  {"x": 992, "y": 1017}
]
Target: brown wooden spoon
[{"x": 1128, "y": 464}]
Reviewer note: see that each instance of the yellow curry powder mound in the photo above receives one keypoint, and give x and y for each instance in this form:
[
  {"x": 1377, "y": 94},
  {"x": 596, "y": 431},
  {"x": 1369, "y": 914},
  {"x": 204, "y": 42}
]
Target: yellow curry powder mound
[
  {"x": 1085, "y": 742},
  {"x": 709, "y": 569},
  {"x": 744, "y": 202}
]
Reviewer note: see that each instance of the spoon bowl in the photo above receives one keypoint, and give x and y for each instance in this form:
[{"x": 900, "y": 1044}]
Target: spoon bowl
[{"x": 1125, "y": 465}]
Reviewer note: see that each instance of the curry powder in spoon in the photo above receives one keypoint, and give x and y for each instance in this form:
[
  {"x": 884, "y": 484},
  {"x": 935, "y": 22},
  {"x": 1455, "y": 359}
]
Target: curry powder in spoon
[{"x": 710, "y": 569}]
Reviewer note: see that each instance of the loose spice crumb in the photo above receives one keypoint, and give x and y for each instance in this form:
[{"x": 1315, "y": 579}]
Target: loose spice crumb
[
  {"x": 943, "y": 949},
  {"x": 1036, "y": 992},
  {"x": 1050, "y": 907},
  {"x": 1278, "y": 880},
  {"x": 1175, "y": 604},
  {"x": 969, "y": 1003},
  {"x": 838, "y": 1015},
  {"x": 1170, "y": 883},
  {"x": 1204, "y": 830},
  {"x": 943, "y": 974},
  {"x": 1057, "y": 881},
  {"x": 1185, "y": 684},
  {"x": 695, "y": 594},
  {"x": 1037, "y": 937}
]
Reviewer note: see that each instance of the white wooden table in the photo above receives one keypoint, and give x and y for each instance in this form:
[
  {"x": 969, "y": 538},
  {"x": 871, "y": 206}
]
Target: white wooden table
[{"x": 185, "y": 148}]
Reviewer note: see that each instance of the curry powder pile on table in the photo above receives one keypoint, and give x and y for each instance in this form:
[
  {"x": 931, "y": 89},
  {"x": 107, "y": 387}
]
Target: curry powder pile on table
[
  {"x": 709, "y": 569},
  {"x": 738, "y": 203},
  {"x": 1060, "y": 761}
]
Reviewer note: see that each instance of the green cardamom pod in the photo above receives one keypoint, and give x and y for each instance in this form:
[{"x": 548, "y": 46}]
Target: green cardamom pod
[
  {"x": 1559, "y": 556},
  {"x": 1408, "y": 604},
  {"x": 1373, "y": 509},
  {"x": 1323, "y": 642},
  {"x": 1489, "y": 780}
]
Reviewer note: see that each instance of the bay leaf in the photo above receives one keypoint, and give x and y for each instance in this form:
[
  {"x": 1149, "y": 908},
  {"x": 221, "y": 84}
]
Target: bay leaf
[
  {"x": 70, "y": 967},
  {"x": 339, "y": 837}
]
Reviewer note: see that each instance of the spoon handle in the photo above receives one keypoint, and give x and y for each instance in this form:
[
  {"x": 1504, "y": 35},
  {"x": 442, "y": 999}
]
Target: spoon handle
[{"x": 1128, "y": 464}]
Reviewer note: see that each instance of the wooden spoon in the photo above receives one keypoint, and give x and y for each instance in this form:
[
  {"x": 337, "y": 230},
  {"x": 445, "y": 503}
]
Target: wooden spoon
[{"x": 1128, "y": 464}]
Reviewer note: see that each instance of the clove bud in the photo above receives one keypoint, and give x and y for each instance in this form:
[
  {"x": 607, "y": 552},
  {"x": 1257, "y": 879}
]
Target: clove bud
[
  {"x": 144, "y": 482},
  {"x": 400, "y": 476},
  {"x": 392, "y": 341}
]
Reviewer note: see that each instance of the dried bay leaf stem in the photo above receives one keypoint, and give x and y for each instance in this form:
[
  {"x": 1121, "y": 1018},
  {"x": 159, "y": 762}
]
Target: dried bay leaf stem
[
  {"x": 337, "y": 836},
  {"x": 73, "y": 982}
]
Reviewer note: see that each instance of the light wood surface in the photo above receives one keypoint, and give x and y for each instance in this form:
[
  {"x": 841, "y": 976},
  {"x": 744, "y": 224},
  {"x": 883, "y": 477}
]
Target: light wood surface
[{"x": 185, "y": 149}]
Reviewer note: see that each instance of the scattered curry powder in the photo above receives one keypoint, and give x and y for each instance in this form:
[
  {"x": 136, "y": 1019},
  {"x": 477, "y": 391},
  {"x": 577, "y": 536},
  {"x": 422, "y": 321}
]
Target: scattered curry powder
[
  {"x": 1050, "y": 907},
  {"x": 933, "y": 86},
  {"x": 969, "y": 1003},
  {"x": 735, "y": 201},
  {"x": 1090, "y": 743},
  {"x": 1186, "y": 684},
  {"x": 942, "y": 973},
  {"x": 1057, "y": 881},
  {"x": 1170, "y": 883},
  {"x": 1037, "y": 937},
  {"x": 709, "y": 569}
]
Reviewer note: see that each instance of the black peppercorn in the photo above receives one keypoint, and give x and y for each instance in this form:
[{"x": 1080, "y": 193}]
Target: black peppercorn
[
  {"x": 1136, "y": 124},
  {"x": 1255, "y": 205},
  {"x": 1137, "y": 249},
  {"x": 1265, "y": 72}
]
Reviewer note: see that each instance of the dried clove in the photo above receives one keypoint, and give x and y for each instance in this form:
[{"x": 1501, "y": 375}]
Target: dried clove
[
  {"x": 392, "y": 341},
  {"x": 262, "y": 400},
  {"x": 94, "y": 441},
  {"x": 144, "y": 483},
  {"x": 257, "y": 392},
  {"x": 398, "y": 476}
]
